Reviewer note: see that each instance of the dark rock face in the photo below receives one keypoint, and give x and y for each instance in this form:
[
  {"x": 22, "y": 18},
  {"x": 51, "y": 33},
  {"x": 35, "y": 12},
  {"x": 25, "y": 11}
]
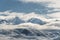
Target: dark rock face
[{"x": 36, "y": 21}]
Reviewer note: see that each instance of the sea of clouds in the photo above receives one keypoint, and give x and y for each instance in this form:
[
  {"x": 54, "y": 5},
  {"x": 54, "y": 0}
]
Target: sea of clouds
[{"x": 27, "y": 26}]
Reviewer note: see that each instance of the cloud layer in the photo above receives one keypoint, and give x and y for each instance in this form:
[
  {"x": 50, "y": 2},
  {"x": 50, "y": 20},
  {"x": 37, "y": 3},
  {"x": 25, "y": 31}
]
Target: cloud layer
[{"x": 26, "y": 17}]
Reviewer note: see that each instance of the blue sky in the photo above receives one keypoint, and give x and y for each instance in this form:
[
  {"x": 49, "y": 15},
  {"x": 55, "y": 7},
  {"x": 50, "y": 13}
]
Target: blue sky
[
  {"x": 23, "y": 7},
  {"x": 28, "y": 6}
]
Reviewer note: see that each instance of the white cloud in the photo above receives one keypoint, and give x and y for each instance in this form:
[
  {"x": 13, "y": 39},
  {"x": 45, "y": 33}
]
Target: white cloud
[
  {"x": 35, "y": 0},
  {"x": 28, "y": 25},
  {"x": 54, "y": 15},
  {"x": 54, "y": 3},
  {"x": 26, "y": 17},
  {"x": 40, "y": 1},
  {"x": 23, "y": 16}
]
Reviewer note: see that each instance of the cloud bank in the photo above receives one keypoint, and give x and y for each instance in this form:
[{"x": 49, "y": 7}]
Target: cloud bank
[{"x": 26, "y": 17}]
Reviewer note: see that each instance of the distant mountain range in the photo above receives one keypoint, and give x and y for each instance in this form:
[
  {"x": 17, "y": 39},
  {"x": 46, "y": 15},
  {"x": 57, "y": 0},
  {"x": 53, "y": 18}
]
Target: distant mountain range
[{"x": 17, "y": 20}]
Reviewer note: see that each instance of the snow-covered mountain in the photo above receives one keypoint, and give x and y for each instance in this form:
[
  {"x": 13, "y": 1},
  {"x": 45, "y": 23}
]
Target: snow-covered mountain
[
  {"x": 14, "y": 21},
  {"x": 36, "y": 21}
]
